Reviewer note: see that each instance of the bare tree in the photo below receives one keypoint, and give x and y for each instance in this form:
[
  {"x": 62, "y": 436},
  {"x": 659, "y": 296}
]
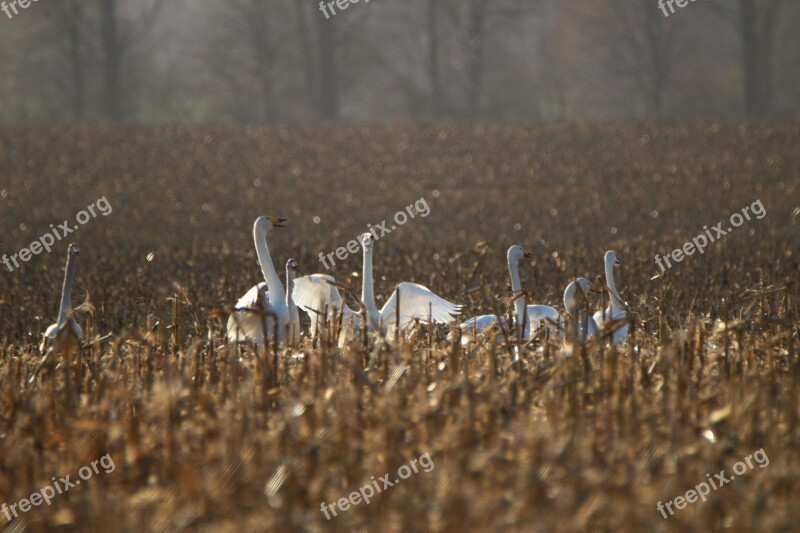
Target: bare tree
[
  {"x": 755, "y": 22},
  {"x": 639, "y": 45},
  {"x": 468, "y": 26},
  {"x": 70, "y": 21},
  {"x": 323, "y": 39},
  {"x": 328, "y": 95},
  {"x": 437, "y": 87},
  {"x": 245, "y": 37},
  {"x": 116, "y": 39}
]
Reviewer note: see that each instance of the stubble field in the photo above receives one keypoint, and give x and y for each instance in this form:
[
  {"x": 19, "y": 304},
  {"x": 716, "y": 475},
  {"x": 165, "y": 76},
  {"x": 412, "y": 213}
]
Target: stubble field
[{"x": 591, "y": 438}]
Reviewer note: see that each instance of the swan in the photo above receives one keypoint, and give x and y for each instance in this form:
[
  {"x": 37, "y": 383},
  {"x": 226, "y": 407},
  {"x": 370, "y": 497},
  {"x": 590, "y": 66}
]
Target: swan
[
  {"x": 244, "y": 325},
  {"x": 535, "y": 313},
  {"x": 571, "y": 305},
  {"x": 617, "y": 309},
  {"x": 65, "y": 335},
  {"x": 316, "y": 293},
  {"x": 294, "y": 316},
  {"x": 579, "y": 321}
]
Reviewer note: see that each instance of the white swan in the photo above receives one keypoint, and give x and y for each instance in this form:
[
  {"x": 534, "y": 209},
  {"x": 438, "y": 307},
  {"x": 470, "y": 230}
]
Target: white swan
[
  {"x": 316, "y": 293},
  {"x": 536, "y": 314},
  {"x": 612, "y": 316},
  {"x": 65, "y": 335},
  {"x": 579, "y": 321},
  {"x": 254, "y": 316}
]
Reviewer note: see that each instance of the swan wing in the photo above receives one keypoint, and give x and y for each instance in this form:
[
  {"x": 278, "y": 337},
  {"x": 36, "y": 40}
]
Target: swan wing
[
  {"x": 244, "y": 326},
  {"x": 316, "y": 293},
  {"x": 481, "y": 323},
  {"x": 418, "y": 302}
]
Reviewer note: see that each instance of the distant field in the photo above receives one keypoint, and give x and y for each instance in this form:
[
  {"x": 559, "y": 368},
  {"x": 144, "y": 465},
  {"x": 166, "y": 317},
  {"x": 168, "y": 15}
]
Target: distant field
[{"x": 203, "y": 438}]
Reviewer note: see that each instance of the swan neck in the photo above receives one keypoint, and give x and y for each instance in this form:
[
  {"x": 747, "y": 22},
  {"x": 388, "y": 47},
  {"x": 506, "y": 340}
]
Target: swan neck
[
  {"x": 616, "y": 301},
  {"x": 569, "y": 299},
  {"x": 516, "y": 287},
  {"x": 289, "y": 289},
  {"x": 367, "y": 292},
  {"x": 267, "y": 267},
  {"x": 66, "y": 289}
]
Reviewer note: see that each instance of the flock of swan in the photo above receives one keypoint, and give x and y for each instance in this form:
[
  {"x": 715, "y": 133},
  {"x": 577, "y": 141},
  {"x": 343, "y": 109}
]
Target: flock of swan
[{"x": 268, "y": 310}]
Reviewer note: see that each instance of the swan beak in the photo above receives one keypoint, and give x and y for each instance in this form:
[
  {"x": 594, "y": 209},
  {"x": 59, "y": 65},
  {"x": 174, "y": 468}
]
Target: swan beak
[
  {"x": 277, "y": 222},
  {"x": 527, "y": 255}
]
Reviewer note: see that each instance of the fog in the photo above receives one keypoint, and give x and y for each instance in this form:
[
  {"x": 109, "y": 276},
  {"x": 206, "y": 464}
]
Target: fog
[{"x": 286, "y": 61}]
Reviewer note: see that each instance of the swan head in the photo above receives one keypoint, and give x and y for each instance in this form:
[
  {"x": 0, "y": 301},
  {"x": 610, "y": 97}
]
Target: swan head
[
  {"x": 516, "y": 253},
  {"x": 580, "y": 284},
  {"x": 266, "y": 223},
  {"x": 292, "y": 266},
  {"x": 590, "y": 286},
  {"x": 611, "y": 259},
  {"x": 74, "y": 251},
  {"x": 366, "y": 240}
]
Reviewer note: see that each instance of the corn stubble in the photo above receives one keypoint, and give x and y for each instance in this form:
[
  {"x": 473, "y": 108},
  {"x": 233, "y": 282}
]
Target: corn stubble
[{"x": 208, "y": 436}]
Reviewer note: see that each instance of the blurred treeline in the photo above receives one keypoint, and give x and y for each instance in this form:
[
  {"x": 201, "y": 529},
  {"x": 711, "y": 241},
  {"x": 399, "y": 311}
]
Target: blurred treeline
[{"x": 265, "y": 61}]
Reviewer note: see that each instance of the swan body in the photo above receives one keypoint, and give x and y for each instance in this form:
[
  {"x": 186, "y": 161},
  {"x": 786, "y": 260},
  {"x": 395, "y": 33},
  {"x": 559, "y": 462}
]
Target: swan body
[
  {"x": 531, "y": 315},
  {"x": 247, "y": 326},
  {"x": 316, "y": 293},
  {"x": 543, "y": 317},
  {"x": 479, "y": 326},
  {"x": 65, "y": 335},
  {"x": 617, "y": 308},
  {"x": 540, "y": 318}
]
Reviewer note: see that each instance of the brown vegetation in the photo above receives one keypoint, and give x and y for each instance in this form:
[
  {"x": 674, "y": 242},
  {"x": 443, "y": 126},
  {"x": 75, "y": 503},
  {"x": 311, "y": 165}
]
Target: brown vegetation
[{"x": 205, "y": 437}]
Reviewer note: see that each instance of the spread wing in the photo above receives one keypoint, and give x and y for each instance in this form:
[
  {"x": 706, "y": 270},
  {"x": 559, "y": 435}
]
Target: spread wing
[
  {"x": 418, "y": 302},
  {"x": 244, "y": 326},
  {"x": 316, "y": 293}
]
